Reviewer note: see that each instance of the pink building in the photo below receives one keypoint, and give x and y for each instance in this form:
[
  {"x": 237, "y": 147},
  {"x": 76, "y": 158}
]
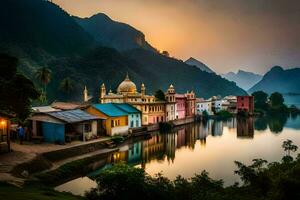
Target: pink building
[{"x": 180, "y": 106}]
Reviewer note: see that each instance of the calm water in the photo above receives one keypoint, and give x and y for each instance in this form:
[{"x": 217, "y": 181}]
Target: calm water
[{"x": 211, "y": 146}]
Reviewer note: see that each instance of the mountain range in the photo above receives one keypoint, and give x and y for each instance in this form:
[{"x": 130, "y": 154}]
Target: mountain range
[
  {"x": 279, "y": 80},
  {"x": 113, "y": 34},
  {"x": 41, "y": 33},
  {"x": 194, "y": 62},
  {"x": 243, "y": 79}
]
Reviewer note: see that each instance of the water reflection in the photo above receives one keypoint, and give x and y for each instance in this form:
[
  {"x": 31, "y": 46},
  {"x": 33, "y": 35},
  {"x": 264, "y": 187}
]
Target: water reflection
[{"x": 212, "y": 146}]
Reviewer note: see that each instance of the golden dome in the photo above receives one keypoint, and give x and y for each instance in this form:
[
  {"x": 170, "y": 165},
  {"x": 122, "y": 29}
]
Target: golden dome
[{"x": 127, "y": 86}]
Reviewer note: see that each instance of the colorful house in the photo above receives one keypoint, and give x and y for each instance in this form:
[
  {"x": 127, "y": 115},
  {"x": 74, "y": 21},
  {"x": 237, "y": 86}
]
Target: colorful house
[
  {"x": 62, "y": 126},
  {"x": 203, "y": 105},
  {"x": 180, "y": 106},
  {"x": 116, "y": 119},
  {"x": 245, "y": 104},
  {"x": 134, "y": 115},
  {"x": 190, "y": 104}
]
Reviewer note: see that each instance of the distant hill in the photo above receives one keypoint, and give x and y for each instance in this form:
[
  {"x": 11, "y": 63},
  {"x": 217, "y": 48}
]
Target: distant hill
[
  {"x": 243, "y": 79},
  {"x": 40, "y": 34},
  {"x": 194, "y": 62},
  {"x": 113, "y": 34},
  {"x": 279, "y": 80},
  {"x": 164, "y": 70}
]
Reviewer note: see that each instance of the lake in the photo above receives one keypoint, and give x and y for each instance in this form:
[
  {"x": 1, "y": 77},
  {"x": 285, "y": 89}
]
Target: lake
[{"x": 212, "y": 146}]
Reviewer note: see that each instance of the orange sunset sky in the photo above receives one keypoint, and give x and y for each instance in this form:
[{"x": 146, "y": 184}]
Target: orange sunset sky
[{"x": 224, "y": 34}]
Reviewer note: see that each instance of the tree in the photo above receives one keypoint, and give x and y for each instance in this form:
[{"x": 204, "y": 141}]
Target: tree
[
  {"x": 165, "y": 53},
  {"x": 288, "y": 146},
  {"x": 17, "y": 91},
  {"x": 276, "y": 99},
  {"x": 67, "y": 85},
  {"x": 260, "y": 99},
  {"x": 160, "y": 95},
  {"x": 44, "y": 77}
]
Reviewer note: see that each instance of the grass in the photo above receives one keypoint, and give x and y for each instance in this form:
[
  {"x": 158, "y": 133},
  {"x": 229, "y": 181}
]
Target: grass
[{"x": 33, "y": 192}]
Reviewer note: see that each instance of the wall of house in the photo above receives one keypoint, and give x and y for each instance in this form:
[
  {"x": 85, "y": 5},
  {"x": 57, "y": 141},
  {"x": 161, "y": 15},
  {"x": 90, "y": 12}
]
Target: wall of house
[
  {"x": 204, "y": 106},
  {"x": 180, "y": 108},
  {"x": 53, "y": 132},
  {"x": 134, "y": 120},
  {"x": 170, "y": 112}
]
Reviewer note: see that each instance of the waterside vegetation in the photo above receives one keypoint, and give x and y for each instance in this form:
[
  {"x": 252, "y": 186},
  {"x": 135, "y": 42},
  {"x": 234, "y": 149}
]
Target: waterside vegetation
[{"x": 261, "y": 180}]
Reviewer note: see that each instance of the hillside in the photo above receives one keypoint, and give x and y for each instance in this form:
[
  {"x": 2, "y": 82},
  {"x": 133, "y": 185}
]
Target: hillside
[
  {"x": 194, "y": 62},
  {"x": 41, "y": 25},
  {"x": 113, "y": 34},
  {"x": 42, "y": 34},
  {"x": 279, "y": 80},
  {"x": 165, "y": 70},
  {"x": 243, "y": 79}
]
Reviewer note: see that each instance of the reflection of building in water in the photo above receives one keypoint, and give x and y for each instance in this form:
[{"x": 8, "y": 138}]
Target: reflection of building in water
[
  {"x": 170, "y": 141},
  {"x": 245, "y": 127},
  {"x": 181, "y": 138},
  {"x": 152, "y": 148},
  {"x": 217, "y": 128},
  {"x": 191, "y": 136},
  {"x": 135, "y": 152},
  {"x": 202, "y": 133},
  {"x": 231, "y": 123}
]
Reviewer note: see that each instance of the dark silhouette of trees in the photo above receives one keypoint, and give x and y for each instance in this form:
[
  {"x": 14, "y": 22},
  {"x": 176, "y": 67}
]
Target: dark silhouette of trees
[{"x": 17, "y": 91}]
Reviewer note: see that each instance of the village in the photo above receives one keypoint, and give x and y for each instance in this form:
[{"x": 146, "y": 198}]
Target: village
[{"x": 126, "y": 112}]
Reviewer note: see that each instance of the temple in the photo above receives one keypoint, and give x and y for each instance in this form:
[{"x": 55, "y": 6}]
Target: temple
[{"x": 153, "y": 110}]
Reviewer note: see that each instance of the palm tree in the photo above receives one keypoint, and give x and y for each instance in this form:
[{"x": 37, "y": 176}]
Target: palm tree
[
  {"x": 44, "y": 76},
  {"x": 67, "y": 85}
]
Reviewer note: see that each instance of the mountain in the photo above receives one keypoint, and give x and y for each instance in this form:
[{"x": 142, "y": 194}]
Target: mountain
[
  {"x": 41, "y": 34},
  {"x": 279, "y": 80},
  {"x": 243, "y": 79},
  {"x": 113, "y": 34},
  {"x": 194, "y": 62},
  {"x": 41, "y": 25},
  {"x": 165, "y": 70}
]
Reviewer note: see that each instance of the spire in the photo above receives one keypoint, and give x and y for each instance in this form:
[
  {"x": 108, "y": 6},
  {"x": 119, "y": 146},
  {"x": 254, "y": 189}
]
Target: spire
[
  {"x": 85, "y": 94},
  {"x": 127, "y": 77}
]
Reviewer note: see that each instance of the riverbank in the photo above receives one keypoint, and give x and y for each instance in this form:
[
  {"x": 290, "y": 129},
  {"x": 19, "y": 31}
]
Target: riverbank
[{"x": 33, "y": 192}]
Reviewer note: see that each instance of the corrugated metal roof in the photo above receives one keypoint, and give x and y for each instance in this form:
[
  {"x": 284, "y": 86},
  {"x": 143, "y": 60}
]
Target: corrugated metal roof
[
  {"x": 110, "y": 110},
  {"x": 44, "y": 109},
  {"x": 73, "y": 116},
  {"x": 127, "y": 108}
]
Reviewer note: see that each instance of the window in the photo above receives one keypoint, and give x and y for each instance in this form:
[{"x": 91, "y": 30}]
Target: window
[
  {"x": 87, "y": 128},
  {"x": 131, "y": 124},
  {"x": 112, "y": 123}
]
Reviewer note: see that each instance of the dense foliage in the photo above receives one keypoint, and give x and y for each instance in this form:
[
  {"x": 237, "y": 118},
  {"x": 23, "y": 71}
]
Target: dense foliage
[
  {"x": 276, "y": 181},
  {"x": 17, "y": 91},
  {"x": 272, "y": 105}
]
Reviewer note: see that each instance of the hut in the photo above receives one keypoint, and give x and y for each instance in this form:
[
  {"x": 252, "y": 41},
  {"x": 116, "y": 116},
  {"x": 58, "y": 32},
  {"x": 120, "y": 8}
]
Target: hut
[{"x": 64, "y": 126}]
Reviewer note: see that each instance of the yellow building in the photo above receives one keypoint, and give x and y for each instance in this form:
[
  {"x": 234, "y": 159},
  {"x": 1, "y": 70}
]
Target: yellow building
[
  {"x": 116, "y": 122},
  {"x": 153, "y": 111}
]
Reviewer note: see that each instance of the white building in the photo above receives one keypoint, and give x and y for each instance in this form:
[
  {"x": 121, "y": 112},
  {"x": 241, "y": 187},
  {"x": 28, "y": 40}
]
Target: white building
[{"x": 203, "y": 105}]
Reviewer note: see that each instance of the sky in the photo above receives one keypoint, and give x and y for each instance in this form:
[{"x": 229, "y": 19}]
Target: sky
[{"x": 227, "y": 35}]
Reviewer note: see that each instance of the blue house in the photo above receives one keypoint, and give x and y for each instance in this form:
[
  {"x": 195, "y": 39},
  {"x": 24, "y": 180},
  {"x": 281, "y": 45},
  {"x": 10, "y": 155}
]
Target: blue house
[
  {"x": 62, "y": 126},
  {"x": 134, "y": 115}
]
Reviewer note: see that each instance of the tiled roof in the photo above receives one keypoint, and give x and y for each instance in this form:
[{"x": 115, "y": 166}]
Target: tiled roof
[
  {"x": 127, "y": 108},
  {"x": 73, "y": 116},
  {"x": 110, "y": 110}
]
